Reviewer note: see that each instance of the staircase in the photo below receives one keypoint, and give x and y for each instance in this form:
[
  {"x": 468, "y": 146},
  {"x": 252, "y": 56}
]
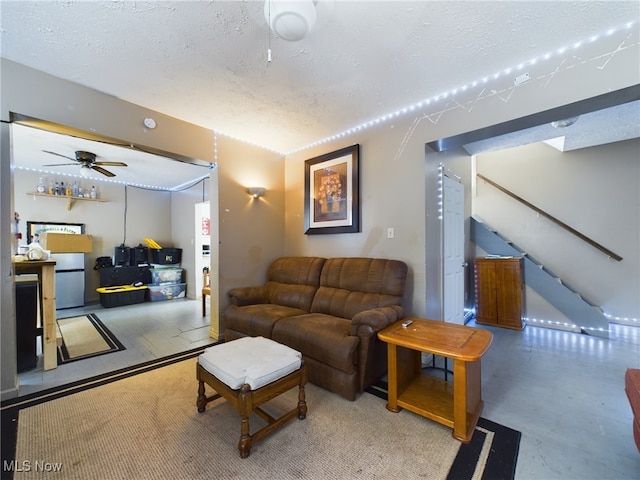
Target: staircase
[{"x": 589, "y": 317}]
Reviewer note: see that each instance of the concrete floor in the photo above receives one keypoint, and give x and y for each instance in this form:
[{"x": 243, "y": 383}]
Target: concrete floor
[{"x": 564, "y": 391}]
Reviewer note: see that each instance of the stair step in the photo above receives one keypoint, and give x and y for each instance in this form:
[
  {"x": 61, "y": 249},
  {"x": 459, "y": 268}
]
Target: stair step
[{"x": 560, "y": 294}]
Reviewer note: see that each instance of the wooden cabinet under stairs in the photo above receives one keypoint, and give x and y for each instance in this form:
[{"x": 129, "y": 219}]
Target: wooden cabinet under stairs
[{"x": 499, "y": 289}]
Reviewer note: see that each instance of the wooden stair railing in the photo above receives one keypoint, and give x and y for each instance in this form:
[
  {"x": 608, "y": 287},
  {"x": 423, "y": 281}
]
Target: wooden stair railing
[{"x": 581, "y": 236}]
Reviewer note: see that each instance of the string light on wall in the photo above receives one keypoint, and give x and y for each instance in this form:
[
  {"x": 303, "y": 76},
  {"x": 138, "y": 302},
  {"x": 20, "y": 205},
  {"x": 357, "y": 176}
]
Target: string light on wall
[
  {"x": 473, "y": 84},
  {"x": 565, "y": 325},
  {"x": 440, "y": 191},
  {"x": 247, "y": 142},
  {"x": 623, "y": 320},
  {"x": 105, "y": 180},
  {"x": 215, "y": 148}
]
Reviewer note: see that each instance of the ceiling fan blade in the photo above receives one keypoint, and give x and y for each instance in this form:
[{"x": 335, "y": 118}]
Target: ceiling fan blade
[
  {"x": 103, "y": 171},
  {"x": 111, "y": 164},
  {"x": 59, "y": 155},
  {"x": 60, "y": 164}
]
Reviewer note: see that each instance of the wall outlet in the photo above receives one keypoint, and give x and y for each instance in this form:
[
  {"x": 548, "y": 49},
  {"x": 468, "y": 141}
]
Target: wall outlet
[{"x": 391, "y": 232}]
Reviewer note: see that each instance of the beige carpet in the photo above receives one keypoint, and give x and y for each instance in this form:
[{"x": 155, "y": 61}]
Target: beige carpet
[{"x": 147, "y": 427}]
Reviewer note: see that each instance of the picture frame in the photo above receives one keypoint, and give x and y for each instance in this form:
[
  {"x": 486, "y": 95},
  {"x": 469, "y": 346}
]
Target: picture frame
[{"x": 332, "y": 192}]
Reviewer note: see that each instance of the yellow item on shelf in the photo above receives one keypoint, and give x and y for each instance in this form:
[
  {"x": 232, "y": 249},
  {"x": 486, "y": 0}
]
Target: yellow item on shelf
[{"x": 152, "y": 243}]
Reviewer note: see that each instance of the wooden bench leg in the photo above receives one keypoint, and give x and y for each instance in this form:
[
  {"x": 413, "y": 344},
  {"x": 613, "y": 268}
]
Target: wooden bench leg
[
  {"x": 202, "y": 398},
  {"x": 302, "y": 403},
  {"x": 243, "y": 400},
  {"x": 245, "y": 408}
]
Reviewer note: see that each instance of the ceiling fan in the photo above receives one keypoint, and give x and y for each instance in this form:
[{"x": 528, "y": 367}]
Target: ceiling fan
[{"x": 87, "y": 162}]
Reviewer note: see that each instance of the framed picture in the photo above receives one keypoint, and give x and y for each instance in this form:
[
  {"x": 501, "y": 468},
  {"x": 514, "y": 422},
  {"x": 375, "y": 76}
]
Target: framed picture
[
  {"x": 35, "y": 229},
  {"x": 332, "y": 192}
]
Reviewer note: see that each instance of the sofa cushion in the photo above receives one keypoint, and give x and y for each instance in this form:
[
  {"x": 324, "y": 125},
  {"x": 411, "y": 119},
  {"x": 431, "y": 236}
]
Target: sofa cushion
[
  {"x": 257, "y": 320},
  {"x": 351, "y": 285},
  {"x": 293, "y": 281},
  {"x": 322, "y": 337}
]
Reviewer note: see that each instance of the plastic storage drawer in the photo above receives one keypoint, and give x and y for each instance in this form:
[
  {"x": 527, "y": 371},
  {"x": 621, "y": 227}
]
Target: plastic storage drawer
[
  {"x": 158, "y": 293},
  {"x": 168, "y": 275}
]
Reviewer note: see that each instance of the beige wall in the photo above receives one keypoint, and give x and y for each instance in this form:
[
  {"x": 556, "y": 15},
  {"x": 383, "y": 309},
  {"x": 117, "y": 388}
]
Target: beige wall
[
  {"x": 251, "y": 230},
  {"x": 103, "y": 220},
  {"x": 593, "y": 190},
  {"x": 396, "y": 183},
  {"x": 398, "y": 180},
  {"x": 246, "y": 253}
]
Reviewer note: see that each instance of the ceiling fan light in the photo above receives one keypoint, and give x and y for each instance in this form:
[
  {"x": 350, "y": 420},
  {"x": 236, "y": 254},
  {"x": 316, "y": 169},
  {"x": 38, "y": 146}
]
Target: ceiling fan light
[
  {"x": 290, "y": 20},
  {"x": 85, "y": 171}
]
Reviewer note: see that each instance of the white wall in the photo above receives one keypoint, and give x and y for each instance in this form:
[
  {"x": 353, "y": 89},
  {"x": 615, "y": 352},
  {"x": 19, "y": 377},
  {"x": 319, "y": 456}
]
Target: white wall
[{"x": 593, "y": 190}]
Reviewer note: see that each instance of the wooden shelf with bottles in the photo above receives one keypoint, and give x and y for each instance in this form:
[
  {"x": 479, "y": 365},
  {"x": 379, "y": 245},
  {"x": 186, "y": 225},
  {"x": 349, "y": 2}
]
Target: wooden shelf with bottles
[{"x": 69, "y": 199}]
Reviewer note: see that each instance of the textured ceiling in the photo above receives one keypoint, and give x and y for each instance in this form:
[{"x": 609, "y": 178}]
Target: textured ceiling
[{"x": 206, "y": 62}]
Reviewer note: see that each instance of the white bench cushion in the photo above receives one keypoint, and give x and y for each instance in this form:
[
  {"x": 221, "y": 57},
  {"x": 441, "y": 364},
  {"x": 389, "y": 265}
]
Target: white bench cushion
[{"x": 257, "y": 361}]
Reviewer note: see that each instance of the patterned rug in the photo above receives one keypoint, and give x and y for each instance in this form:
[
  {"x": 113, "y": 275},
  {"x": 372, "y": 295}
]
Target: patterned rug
[{"x": 83, "y": 337}]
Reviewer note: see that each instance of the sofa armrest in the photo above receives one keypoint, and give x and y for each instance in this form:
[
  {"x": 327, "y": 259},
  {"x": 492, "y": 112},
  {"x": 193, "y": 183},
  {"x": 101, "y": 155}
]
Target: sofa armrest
[
  {"x": 372, "y": 321},
  {"x": 372, "y": 351},
  {"x": 248, "y": 295}
]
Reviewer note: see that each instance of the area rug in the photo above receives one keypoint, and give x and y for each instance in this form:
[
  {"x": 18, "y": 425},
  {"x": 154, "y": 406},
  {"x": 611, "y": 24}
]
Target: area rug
[
  {"x": 83, "y": 337},
  {"x": 492, "y": 453},
  {"x": 146, "y": 426}
]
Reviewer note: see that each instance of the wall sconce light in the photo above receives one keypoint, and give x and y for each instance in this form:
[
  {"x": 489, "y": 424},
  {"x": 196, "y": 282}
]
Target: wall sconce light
[{"x": 256, "y": 192}]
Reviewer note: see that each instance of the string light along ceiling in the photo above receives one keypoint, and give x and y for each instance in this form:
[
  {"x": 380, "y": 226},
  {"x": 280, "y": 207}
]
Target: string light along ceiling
[{"x": 480, "y": 82}]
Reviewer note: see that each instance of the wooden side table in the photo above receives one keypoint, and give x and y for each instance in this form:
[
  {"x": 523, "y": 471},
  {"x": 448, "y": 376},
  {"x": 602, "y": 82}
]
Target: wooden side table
[{"x": 455, "y": 404}]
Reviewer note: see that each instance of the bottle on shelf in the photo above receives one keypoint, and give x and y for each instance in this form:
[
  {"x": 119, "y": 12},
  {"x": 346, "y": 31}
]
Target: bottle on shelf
[
  {"x": 57, "y": 188},
  {"x": 40, "y": 188},
  {"x": 94, "y": 192},
  {"x": 52, "y": 188},
  {"x": 74, "y": 189}
]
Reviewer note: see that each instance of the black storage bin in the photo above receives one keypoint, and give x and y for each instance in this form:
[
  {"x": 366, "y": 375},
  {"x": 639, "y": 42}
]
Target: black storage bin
[
  {"x": 26, "y": 324},
  {"x": 122, "y": 256},
  {"x": 139, "y": 255},
  {"x": 121, "y": 295},
  {"x": 166, "y": 256},
  {"x": 111, "y": 276}
]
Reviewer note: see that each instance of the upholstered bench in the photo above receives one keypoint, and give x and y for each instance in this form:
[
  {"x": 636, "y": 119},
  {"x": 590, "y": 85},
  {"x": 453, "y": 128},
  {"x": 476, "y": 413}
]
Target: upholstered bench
[{"x": 247, "y": 373}]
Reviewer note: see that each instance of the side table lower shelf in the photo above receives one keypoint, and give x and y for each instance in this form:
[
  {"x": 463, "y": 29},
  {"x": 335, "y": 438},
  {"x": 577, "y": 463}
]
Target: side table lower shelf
[{"x": 430, "y": 397}]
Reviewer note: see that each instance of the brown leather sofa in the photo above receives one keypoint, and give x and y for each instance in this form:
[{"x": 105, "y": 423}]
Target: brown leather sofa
[{"x": 328, "y": 309}]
